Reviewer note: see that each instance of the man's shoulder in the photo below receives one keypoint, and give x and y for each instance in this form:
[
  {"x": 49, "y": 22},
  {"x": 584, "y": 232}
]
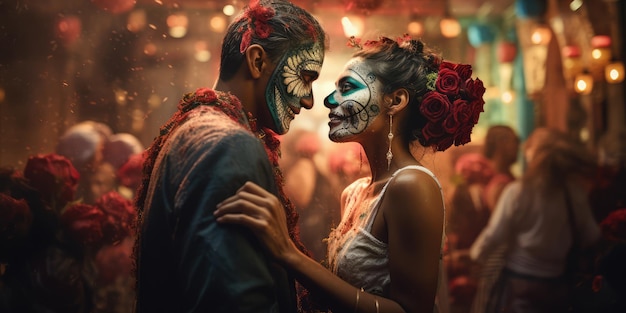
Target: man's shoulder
[{"x": 211, "y": 124}]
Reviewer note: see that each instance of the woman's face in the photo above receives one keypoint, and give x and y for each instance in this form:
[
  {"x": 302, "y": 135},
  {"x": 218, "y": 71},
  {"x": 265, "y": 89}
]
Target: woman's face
[{"x": 356, "y": 101}]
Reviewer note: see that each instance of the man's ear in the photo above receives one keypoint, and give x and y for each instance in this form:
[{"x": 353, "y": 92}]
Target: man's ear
[
  {"x": 256, "y": 60},
  {"x": 399, "y": 100}
]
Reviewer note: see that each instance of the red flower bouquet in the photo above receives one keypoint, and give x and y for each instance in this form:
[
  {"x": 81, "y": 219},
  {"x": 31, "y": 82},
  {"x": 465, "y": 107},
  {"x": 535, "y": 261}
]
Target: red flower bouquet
[
  {"x": 452, "y": 107},
  {"x": 54, "y": 177}
]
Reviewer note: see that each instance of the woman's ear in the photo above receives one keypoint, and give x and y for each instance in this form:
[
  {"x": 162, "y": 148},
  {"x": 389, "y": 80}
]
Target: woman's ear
[
  {"x": 398, "y": 100},
  {"x": 255, "y": 57}
]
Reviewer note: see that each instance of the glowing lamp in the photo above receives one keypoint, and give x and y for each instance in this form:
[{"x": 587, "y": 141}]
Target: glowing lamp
[
  {"x": 450, "y": 27},
  {"x": 415, "y": 28},
  {"x": 228, "y": 10},
  {"x": 541, "y": 35},
  {"x": 614, "y": 72},
  {"x": 177, "y": 24},
  {"x": 583, "y": 84},
  {"x": 68, "y": 29},
  {"x": 352, "y": 26},
  {"x": 601, "y": 52}
]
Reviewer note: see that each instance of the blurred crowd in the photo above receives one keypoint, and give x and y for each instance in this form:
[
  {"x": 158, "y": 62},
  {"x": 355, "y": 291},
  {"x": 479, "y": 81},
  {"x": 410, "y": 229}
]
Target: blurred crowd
[{"x": 67, "y": 218}]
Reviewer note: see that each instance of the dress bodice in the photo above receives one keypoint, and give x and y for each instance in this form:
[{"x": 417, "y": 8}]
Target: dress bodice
[{"x": 354, "y": 254}]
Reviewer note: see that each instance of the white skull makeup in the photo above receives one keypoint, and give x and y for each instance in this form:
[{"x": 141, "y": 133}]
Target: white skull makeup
[
  {"x": 291, "y": 81},
  {"x": 355, "y": 102}
]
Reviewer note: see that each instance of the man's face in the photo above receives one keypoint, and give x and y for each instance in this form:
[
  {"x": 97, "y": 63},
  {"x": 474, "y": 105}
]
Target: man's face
[
  {"x": 290, "y": 86},
  {"x": 356, "y": 101}
]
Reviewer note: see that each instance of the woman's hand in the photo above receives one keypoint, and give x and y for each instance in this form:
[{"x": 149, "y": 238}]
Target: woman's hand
[{"x": 260, "y": 211}]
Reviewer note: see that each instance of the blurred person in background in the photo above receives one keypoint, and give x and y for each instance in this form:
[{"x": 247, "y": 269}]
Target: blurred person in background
[
  {"x": 501, "y": 148},
  {"x": 532, "y": 220},
  {"x": 83, "y": 144}
]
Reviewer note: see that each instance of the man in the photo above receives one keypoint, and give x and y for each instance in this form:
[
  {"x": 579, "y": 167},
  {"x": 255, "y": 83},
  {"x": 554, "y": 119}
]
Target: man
[{"x": 215, "y": 142}]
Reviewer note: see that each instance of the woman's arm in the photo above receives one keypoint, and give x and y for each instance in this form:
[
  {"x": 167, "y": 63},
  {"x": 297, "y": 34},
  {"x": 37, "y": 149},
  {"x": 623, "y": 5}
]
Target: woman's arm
[
  {"x": 413, "y": 211},
  {"x": 262, "y": 212}
]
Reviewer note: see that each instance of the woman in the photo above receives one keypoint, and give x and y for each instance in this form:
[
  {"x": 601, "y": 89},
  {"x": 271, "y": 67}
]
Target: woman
[
  {"x": 501, "y": 149},
  {"x": 384, "y": 256},
  {"x": 532, "y": 220}
]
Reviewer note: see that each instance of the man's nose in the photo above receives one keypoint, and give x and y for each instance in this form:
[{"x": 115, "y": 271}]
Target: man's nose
[{"x": 307, "y": 102}]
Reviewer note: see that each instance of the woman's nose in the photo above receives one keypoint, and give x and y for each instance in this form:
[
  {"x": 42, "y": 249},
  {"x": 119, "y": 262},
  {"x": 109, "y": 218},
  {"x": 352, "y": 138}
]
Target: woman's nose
[{"x": 329, "y": 101}]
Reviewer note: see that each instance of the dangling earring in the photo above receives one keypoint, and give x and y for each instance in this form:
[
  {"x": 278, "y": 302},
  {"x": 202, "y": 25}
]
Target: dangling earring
[{"x": 390, "y": 137}]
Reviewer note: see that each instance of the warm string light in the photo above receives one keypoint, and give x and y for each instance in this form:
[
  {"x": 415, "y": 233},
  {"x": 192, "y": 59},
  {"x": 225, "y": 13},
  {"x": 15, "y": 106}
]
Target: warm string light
[
  {"x": 614, "y": 72},
  {"x": 541, "y": 35},
  {"x": 583, "y": 84},
  {"x": 449, "y": 26},
  {"x": 600, "y": 55},
  {"x": 177, "y": 24},
  {"x": 352, "y": 26},
  {"x": 415, "y": 28}
]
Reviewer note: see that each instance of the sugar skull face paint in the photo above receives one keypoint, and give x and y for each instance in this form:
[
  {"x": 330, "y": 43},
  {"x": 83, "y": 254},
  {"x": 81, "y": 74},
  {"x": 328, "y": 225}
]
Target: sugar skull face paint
[
  {"x": 355, "y": 102},
  {"x": 291, "y": 82}
]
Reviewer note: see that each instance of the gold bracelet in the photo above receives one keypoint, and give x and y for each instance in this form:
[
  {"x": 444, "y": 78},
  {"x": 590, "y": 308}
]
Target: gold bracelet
[
  {"x": 377, "y": 305},
  {"x": 358, "y": 296}
]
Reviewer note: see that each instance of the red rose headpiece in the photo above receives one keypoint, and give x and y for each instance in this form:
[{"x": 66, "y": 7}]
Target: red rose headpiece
[
  {"x": 257, "y": 16},
  {"x": 452, "y": 106}
]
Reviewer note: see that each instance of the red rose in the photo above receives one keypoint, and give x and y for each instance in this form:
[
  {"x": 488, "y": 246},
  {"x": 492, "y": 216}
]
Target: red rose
[
  {"x": 131, "y": 173},
  {"x": 464, "y": 71},
  {"x": 119, "y": 216},
  {"x": 435, "y": 106},
  {"x": 83, "y": 224},
  {"x": 54, "y": 177},
  {"x": 463, "y": 135},
  {"x": 450, "y": 124},
  {"x": 15, "y": 222},
  {"x": 462, "y": 111},
  {"x": 432, "y": 132},
  {"x": 477, "y": 108},
  {"x": 475, "y": 89},
  {"x": 448, "y": 82},
  {"x": 445, "y": 64}
]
